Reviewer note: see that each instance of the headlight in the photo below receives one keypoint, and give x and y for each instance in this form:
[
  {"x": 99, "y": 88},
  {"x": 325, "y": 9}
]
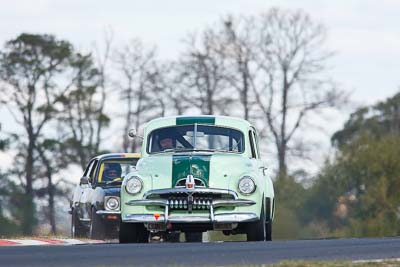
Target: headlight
[
  {"x": 246, "y": 185},
  {"x": 134, "y": 185},
  {"x": 112, "y": 203}
]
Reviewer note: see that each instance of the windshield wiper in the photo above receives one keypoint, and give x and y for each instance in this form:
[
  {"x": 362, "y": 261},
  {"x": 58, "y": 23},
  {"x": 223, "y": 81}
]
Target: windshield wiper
[
  {"x": 194, "y": 149},
  {"x": 184, "y": 149}
]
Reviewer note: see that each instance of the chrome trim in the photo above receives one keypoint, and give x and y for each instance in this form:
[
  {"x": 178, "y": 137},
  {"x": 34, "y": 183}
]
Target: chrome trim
[
  {"x": 232, "y": 202},
  {"x": 198, "y": 204},
  {"x": 108, "y": 212},
  {"x": 212, "y": 215},
  {"x": 218, "y": 218},
  {"x": 147, "y": 202},
  {"x": 190, "y": 191},
  {"x": 166, "y": 213},
  {"x": 236, "y": 217},
  {"x": 175, "y": 203},
  {"x": 184, "y": 179}
]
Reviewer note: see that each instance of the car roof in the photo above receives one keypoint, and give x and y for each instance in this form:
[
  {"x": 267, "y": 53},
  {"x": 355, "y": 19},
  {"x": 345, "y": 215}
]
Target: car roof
[{"x": 234, "y": 122}]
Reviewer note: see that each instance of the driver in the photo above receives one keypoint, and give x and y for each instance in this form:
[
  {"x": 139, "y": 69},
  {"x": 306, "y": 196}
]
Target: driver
[
  {"x": 165, "y": 142},
  {"x": 112, "y": 171}
]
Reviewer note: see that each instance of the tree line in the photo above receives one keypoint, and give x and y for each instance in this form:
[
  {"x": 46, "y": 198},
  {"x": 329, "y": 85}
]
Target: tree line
[{"x": 269, "y": 69}]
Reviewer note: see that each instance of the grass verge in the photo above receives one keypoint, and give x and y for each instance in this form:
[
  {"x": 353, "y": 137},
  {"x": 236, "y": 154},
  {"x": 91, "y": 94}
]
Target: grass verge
[{"x": 388, "y": 263}]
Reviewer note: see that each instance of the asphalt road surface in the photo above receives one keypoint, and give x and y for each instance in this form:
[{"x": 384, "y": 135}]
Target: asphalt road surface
[{"x": 200, "y": 254}]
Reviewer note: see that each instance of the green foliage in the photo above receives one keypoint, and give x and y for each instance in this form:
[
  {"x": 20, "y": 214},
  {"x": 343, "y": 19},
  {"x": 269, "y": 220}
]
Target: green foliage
[
  {"x": 357, "y": 194},
  {"x": 10, "y": 222},
  {"x": 32, "y": 56},
  {"x": 290, "y": 196},
  {"x": 377, "y": 121}
]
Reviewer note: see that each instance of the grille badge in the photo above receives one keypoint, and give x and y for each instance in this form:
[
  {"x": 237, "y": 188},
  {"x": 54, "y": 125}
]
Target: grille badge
[{"x": 190, "y": 184}]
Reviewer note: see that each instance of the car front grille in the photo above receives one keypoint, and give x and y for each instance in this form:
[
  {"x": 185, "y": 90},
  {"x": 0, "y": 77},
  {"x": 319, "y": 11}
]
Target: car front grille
[
  {"x": 181, "y": 203},
  {"x": 180, "y": 198}
]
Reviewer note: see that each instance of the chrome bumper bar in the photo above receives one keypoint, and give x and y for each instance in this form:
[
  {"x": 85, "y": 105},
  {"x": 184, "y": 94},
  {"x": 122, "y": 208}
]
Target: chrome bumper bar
[
  {"x": 106, "y": 213},
  {"x": 215, "y": 203},
  {"x": 218, "y": 218},
  {"x": 185, "y": 191},
  {"x": 211, "y": 218}
]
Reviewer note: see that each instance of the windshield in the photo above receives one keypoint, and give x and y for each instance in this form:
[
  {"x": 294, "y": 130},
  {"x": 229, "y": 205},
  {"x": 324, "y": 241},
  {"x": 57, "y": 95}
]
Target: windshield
[
  {"x": 114, "y": 170},
  {"x": 195, "y": 138}
]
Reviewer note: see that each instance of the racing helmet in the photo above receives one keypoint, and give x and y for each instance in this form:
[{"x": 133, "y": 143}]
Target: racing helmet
[{"x": 112, "y": 171}]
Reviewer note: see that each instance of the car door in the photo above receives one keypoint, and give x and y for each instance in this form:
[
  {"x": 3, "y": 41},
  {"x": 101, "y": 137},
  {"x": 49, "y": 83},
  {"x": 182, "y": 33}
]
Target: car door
[
  {"x": 78, "y": 191},
  {"x": 86, "y": 192}
]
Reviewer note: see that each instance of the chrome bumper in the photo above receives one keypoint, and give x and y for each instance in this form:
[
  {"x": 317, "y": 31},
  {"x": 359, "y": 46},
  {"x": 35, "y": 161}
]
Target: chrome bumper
[
  {"x": 210, "y": 218},
  {"x": 218, "y": 218},
  {"x": 108, "y": 214}
]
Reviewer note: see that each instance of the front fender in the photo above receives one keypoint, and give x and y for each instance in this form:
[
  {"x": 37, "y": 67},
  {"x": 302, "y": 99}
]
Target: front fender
[{"x": 98, "y": 198}]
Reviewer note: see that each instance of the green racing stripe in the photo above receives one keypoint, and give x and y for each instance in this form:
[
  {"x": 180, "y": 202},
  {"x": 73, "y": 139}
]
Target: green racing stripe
[
  {"x": 193, "y": 120},
  {"x": 196, "y": 165}
]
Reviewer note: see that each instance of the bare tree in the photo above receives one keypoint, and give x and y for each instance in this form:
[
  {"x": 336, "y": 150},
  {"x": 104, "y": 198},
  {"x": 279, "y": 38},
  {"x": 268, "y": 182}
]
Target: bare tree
[
  {"x": 139, "y": 86},
  {"x": 293, "y": 60},
  {"x": 240, "y": 50},
  {"x": 170, "y": 90},
  {"x": 82, "y": 111},
  {"x": 202, "y": 73},
  {"x": 102, "y": 61}
]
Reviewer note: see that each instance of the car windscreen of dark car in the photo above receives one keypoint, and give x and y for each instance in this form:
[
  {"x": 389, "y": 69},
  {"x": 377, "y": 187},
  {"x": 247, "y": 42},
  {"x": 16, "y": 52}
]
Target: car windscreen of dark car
[
  {"x": 114, "y": 170},
  {"x": 195, "y": 138}
]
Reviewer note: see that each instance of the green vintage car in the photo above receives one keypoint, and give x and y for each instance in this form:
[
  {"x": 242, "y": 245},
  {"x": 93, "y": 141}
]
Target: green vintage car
[{"x": 197, "y": 174}]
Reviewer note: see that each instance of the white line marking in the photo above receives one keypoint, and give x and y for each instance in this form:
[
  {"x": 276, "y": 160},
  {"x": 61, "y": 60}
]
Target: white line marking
[
  {"x": 29, "y": 242},
  {"x": 70, "y": 241},
  {"x": 377, "y": 260}
]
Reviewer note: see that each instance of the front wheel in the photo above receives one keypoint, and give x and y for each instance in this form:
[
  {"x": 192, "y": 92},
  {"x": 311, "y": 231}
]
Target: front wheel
[
  {"x": 133, "y": 233},
  {"x": 257, "y": 231},
  {"x": 268, "y": 232},
  {"x": 77, "y": 229},
  {"x": 97, "y": 226}
]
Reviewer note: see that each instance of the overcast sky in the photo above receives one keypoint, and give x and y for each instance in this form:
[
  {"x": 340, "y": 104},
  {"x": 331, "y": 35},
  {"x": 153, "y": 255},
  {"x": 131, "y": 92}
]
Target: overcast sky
[{"x": 365, "y": 34}]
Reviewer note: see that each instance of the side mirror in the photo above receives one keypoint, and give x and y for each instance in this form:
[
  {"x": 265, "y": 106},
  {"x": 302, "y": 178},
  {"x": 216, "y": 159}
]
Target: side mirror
[
  {"x": 264, "y": 170},
  {"x": 133, "y": 133},
  {"x": 84, "y": 180}
]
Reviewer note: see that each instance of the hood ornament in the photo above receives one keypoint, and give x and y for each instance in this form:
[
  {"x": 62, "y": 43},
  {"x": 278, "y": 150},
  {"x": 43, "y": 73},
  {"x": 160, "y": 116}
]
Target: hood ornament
[{"x": 190, "y": 184}]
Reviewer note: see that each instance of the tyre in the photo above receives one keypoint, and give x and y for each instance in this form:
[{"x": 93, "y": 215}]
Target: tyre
[
  {"x": 97, "y": 226},
  {"x": 77, "y": 229},
  {"x": 194, "y": 237},
  {"x": 268, "y": 220},
  {"x": 256, "y": 231},
  {"x": 172, "y": 237},
  {"x": 133, "y": 233},
  {"x": 268, "y": 231}
]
